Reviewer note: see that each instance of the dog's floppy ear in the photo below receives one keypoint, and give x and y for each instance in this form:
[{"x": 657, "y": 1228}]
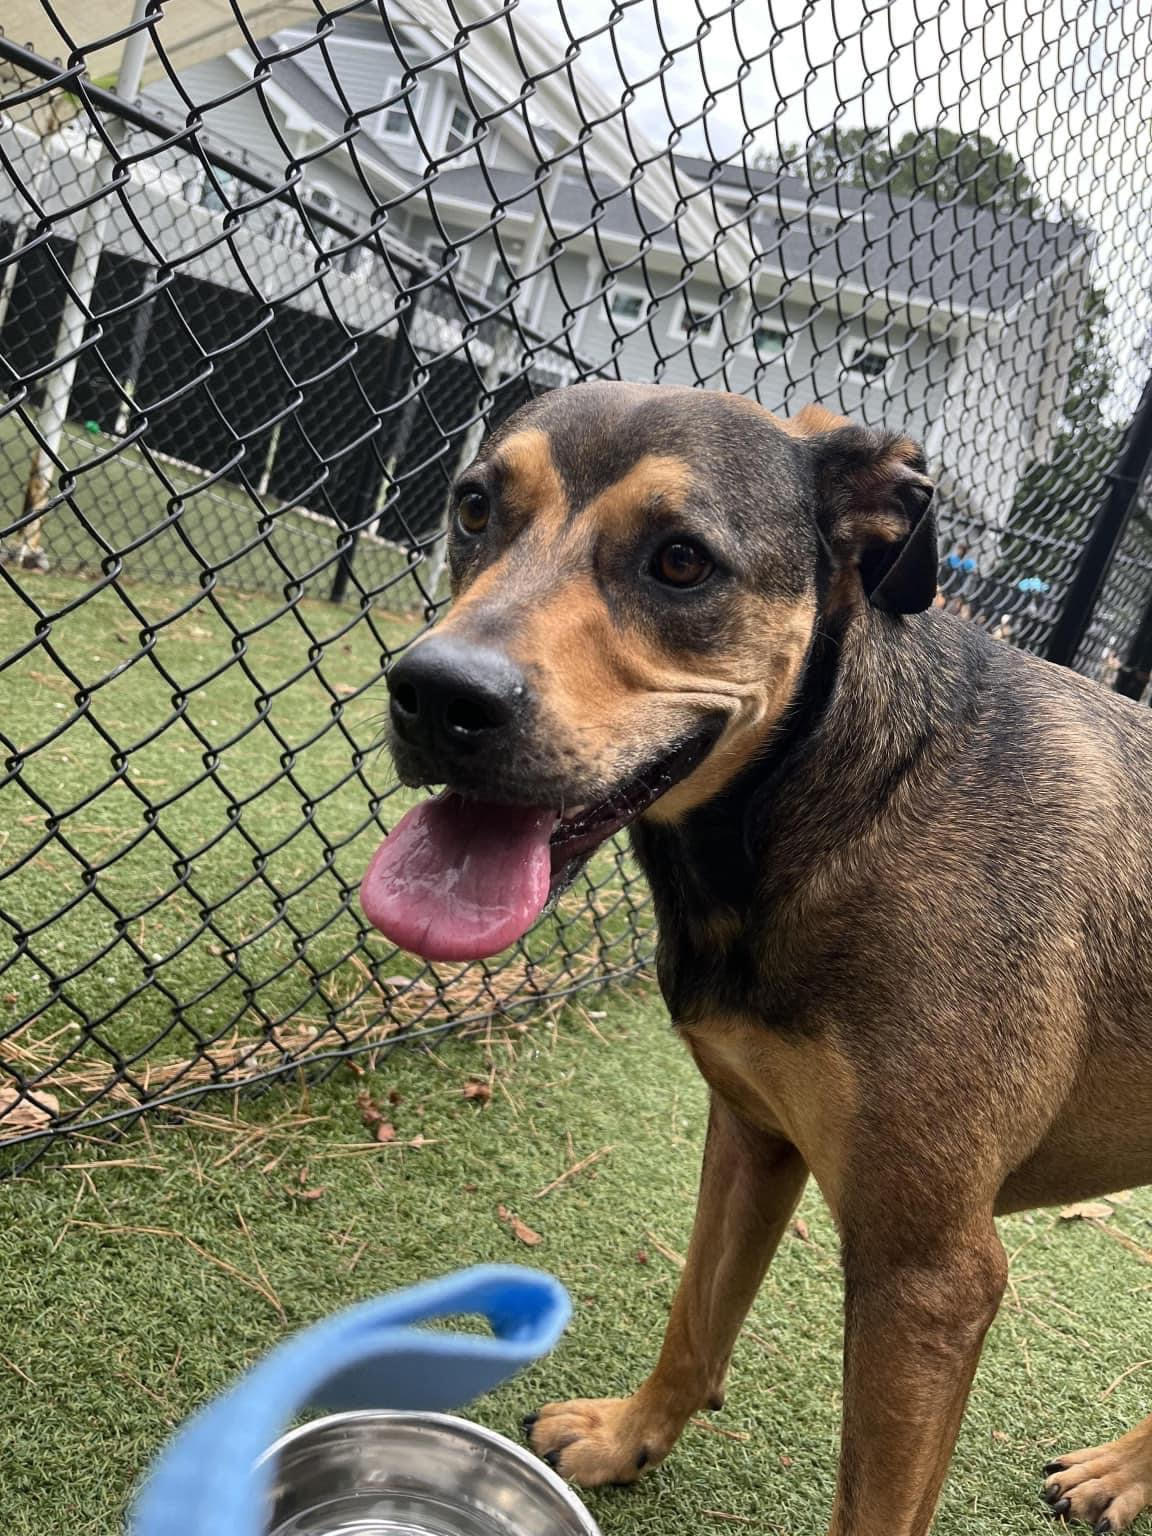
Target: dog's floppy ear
[{"x": 875, "y": 513}]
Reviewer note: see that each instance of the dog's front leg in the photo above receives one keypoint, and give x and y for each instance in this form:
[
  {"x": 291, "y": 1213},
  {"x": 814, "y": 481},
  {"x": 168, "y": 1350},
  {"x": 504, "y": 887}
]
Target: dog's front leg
[
  {"x": 748, "y": 1190},
  {"x": 917, "y": 1306}
]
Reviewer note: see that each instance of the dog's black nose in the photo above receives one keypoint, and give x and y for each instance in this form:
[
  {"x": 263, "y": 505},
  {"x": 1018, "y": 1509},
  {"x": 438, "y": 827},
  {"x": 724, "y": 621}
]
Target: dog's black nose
[{"x": 448, "y": 696}]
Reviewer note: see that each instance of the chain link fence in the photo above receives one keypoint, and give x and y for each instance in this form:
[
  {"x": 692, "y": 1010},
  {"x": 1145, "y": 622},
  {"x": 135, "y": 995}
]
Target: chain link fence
[{"x": 261, "y": 296}]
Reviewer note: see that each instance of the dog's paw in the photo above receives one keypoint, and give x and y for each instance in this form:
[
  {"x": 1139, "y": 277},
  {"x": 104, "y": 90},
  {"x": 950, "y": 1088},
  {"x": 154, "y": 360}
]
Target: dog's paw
[
  {"x": 597, "y": 1441},
  {"x": 1106, "y": 1486}
]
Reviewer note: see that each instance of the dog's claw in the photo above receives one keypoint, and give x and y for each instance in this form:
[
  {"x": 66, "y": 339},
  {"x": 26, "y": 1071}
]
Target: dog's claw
[
  {"x": 1053, "y": 1466},
  {"x": 1102, "y": 1527},
  {"x": 1050, "y": 1495},
  {"x": 1061, "y": 1508},
  {"x": 551, "y": 1459},
  {"x": 642, "y": 1460},
  {"x": 528, "y": 1422}
]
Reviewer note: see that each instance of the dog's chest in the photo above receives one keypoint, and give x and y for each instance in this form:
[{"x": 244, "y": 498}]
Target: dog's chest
[
  {"x": 801, "y": 1088},
  {"x": 766, "y": 968}
]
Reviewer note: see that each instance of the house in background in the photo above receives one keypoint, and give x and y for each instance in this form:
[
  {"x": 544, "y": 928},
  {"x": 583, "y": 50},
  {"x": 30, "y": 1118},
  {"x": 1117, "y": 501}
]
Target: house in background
[{"x": 953, "y": 324}]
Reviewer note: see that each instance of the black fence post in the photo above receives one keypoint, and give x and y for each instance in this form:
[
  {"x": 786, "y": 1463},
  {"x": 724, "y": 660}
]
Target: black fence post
[
  {"x": 367, "y": 486},
  {"x": 1124, "y": 481},
  {"x": 1136, "y": 668},
  {"x": 343, "y": 573}
]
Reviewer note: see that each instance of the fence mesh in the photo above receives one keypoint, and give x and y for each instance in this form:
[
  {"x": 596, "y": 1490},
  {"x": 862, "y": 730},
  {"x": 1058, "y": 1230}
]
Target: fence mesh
[{"x": 259, "y": 302}]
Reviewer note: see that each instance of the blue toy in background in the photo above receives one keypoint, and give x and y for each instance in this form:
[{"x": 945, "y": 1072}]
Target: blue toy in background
[{"x": 209, "y": 1481}]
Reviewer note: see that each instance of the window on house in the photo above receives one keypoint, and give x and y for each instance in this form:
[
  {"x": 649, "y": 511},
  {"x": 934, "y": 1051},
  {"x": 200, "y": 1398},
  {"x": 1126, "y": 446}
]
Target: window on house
[
  {"x": 460, "y": 130},
  {"x": 322, "y": 201},
  {"x": 628, "y": 304},
  {"x": 394, "y": 121},
  {"x": 691, "y": 324},
  {"x": 867, "y": 362},
  {"x": 770, "y": 338},
  {"x": 513, "y": 249}
]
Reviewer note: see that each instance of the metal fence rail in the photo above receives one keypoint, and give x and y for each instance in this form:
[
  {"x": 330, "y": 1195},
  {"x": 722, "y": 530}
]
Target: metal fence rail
[{"x": 259, "y": 300}]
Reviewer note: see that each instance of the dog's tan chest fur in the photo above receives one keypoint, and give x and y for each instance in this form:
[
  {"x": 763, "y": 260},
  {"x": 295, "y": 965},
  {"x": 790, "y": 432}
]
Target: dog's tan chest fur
[{"x": 803, "y": 1090}]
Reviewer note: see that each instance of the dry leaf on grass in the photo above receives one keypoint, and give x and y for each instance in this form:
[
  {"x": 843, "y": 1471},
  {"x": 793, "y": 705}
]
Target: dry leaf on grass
[
  {"x": 478, "y": 1090},
  {"x": 370, "y": 1112},
  {"x": 800, "y": 1227},
  {"x": 26, "y": 1111},
  {"x": 1121, "y": 1197},
  {"x": 419, "y": 1141},
  {"x": 1087, "y": 1210},
  {"x": 385, "y": 1131},
  {"x": 517, "y": 1227}
]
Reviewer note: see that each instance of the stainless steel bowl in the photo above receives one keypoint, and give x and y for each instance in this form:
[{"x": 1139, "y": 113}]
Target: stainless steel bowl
[{"x": 414, "y": 1474}]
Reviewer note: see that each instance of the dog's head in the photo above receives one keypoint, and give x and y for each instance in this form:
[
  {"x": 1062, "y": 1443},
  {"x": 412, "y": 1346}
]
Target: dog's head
[{"x": 638, "y": 573}]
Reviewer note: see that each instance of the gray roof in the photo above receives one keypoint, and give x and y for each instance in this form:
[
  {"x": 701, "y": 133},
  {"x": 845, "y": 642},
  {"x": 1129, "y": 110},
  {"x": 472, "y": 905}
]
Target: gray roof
[
  {"x": 959, "y": 257},
  {"x": 759, "y": 183},
  {"x": 953, "y": 255}
]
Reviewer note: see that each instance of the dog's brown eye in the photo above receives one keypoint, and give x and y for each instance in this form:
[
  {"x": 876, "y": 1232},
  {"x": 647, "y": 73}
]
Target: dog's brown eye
[
  {"x": 472, "y": 512},
  {"x": 681, "y": 564}
]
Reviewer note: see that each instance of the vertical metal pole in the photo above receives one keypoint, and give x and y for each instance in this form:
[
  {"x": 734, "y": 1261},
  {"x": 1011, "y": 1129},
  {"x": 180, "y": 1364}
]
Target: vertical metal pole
[
  {"x": 90, "y": 226},
  {"x": 12, "y": 270},
  {"x": 1136, "y": 669},
  {"x": 367, "y": 497},
  {"x": 141, "y": 325},
  {"x": 502, "y": 352},
  {"x": 1124, "y": 480},
  {"x": 269, "y": 460}
]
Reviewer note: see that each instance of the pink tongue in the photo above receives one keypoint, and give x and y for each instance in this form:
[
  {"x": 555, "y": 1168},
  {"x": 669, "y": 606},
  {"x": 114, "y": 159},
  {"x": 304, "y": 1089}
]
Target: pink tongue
[{"x": 459, "y": 880}]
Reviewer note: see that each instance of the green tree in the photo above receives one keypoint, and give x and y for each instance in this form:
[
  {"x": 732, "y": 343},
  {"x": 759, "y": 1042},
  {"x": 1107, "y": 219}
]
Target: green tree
[{"x": 943, "y": 165}]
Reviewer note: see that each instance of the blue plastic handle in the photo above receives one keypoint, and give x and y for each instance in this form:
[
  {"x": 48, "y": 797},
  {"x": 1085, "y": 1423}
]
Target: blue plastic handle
[{"x": 207, "y": 1482}]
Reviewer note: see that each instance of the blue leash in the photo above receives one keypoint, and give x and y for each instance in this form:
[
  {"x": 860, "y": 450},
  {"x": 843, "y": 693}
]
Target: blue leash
[{"x": 207, "y": 1482}]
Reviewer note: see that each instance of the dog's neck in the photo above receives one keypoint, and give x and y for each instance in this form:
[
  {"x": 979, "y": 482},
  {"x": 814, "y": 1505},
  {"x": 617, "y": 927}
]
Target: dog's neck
[{"x": 883, "y": 705}]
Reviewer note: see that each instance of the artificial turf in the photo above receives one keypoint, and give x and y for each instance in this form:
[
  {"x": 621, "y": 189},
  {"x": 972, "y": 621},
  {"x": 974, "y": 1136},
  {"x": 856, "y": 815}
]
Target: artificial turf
[{"x": 141, "y": 1274}]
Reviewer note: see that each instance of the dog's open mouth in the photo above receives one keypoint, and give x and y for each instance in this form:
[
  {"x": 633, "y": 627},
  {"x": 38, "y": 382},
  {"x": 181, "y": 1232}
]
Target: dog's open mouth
[{"x": 461, "y": 879}]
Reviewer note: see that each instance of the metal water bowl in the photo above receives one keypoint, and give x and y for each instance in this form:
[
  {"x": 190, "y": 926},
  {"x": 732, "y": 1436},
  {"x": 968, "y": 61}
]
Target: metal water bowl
[{"x": 414, "y": 1474}]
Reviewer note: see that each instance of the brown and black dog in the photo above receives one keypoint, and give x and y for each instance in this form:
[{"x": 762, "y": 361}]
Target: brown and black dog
[{"x": 903, "y": 877}]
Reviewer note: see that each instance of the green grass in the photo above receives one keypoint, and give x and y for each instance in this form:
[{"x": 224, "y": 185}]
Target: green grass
[
  {"x": 223, "y": 906},
  {"x": 168, "y": 523},
  {"x": 113, "y": 1334}
]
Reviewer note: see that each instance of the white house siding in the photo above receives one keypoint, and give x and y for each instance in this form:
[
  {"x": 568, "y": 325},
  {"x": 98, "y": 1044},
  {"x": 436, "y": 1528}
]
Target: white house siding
[
  {"x": 238, "y": 123},
  {"x": 364, "y": 66}
]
